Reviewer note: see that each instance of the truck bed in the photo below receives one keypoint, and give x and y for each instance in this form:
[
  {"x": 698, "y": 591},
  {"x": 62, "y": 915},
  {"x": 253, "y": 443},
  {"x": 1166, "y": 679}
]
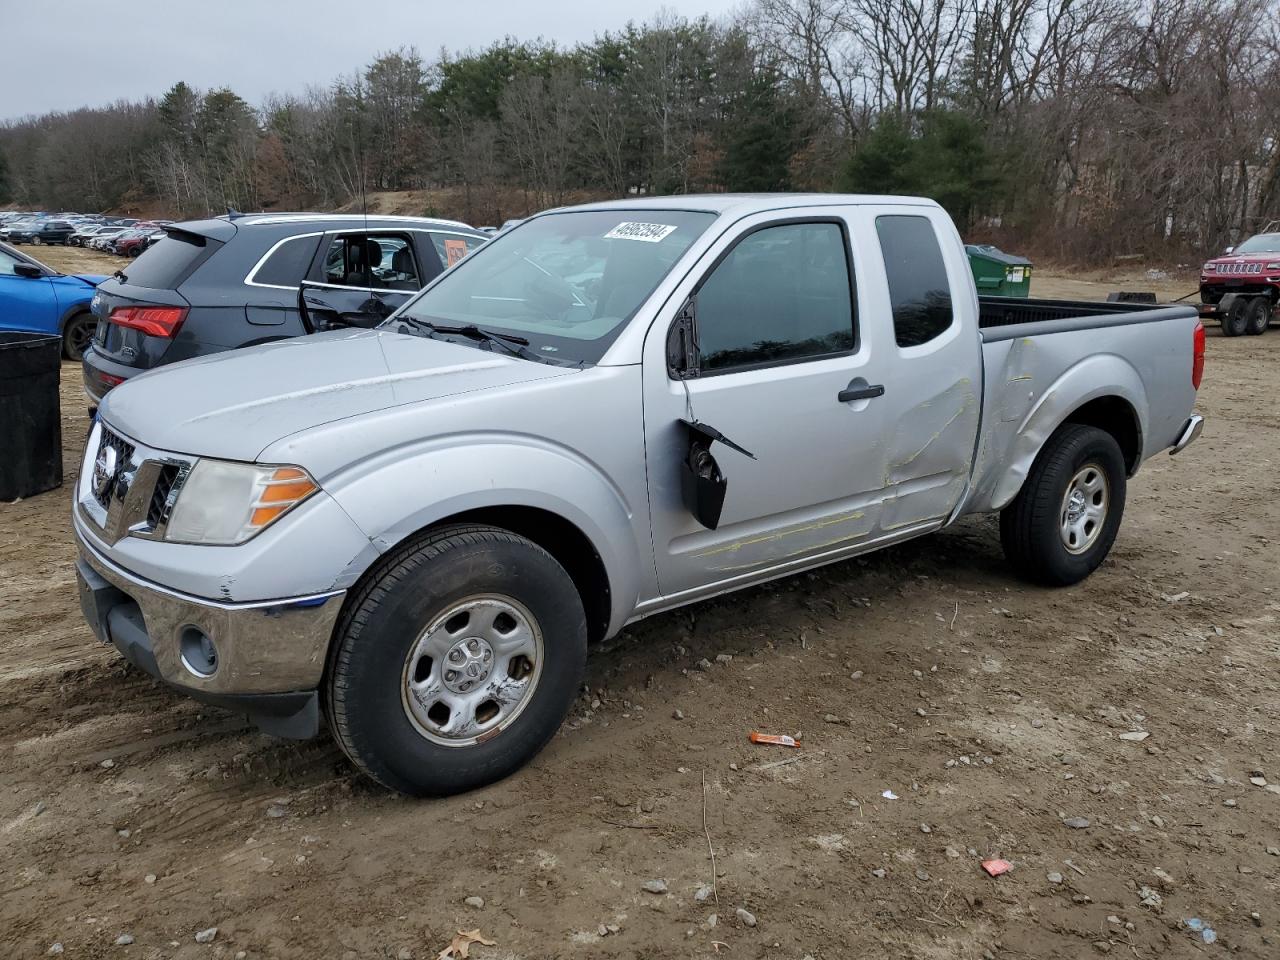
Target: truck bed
[
  {"x": 1043, "y": 358},
  {"x": 996, "y": 315}
]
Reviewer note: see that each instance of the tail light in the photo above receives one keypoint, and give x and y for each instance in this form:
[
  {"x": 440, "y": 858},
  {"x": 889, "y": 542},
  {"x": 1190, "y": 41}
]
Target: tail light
[
  {"x": 1197, "y": 356},
  {"x": 153, "y": 321}
]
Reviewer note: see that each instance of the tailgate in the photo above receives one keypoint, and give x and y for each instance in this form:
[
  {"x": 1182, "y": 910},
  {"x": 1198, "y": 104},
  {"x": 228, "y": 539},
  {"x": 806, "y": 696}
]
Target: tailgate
[{"x": 152, "y": 280}]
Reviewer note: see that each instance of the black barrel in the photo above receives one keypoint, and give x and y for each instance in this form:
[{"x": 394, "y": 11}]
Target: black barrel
[{"x": 30, "y": 421}]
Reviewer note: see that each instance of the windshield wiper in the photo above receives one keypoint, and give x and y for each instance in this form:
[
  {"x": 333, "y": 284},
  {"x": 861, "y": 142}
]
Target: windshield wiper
[{"x": 510, "y": 342}]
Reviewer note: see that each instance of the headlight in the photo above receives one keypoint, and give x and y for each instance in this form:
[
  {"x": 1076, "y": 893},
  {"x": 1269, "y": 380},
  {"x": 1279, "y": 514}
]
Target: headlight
[
  {"x": 1209, "y": 267},
  {"x": 1273, "y": 266},
  {"x": 227, "y": 503}
]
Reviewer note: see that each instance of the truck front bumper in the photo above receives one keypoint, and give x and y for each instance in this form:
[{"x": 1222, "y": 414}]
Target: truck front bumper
[{"x": 265, "y": 659}]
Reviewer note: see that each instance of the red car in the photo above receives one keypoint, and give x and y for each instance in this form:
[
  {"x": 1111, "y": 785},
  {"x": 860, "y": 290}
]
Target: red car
[
  {"x": 1242, "y": 287},
  {"x": 132, "y": 244}
]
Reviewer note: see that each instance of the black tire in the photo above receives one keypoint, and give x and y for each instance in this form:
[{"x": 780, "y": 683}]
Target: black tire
[
  {"x": 1031, "y": 526},
  {"x": 37, "y": 241},
  {"x": 375, "y": 644},
  {"x": 1258, "y": 316},
  {"x": 1235, "y": 320},
  {"x": 77, "y": 334}
]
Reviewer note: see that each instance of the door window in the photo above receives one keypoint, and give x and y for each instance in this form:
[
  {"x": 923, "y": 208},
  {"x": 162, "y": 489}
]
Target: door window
[
  {"x": 919, "y": 291},
  {"x": 782, "y": 294},
  {"x": 452, "y": 247},
  {"x": 7, "y": 264},
  {"x": 371, "y": 260}
]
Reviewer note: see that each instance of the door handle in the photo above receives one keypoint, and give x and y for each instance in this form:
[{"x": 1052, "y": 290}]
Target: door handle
[{"x": 860, "y": 393}]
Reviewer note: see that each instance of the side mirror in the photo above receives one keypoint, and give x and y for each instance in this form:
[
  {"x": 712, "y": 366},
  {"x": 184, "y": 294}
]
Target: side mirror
[
  {"x": 682, "y": 343},
  {"x": 1228, "y": 250},
  {"x": 28, "y": 270}
]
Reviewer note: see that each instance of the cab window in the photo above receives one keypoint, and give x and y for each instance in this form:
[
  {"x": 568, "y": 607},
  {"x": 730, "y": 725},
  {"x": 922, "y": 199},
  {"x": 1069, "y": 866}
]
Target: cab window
[
  {"x": 781, "y": 295},
  {"x": 919, "y": 292}
]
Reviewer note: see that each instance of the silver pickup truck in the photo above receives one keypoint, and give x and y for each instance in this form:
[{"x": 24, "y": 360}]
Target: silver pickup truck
[{"x": 416, "y": 531}]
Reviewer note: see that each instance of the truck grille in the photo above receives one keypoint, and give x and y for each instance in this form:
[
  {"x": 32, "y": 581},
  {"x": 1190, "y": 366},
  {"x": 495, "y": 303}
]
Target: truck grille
[
  {"x": 158, "y": 511},
  {"x": 1238, "y": 269},
  {"x": 124, "y": 455},
  {"x": 130, "y": 490}
]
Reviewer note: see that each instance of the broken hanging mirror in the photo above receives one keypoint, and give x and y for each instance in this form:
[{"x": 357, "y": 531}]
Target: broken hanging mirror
[{"x": 702, "y": 482}]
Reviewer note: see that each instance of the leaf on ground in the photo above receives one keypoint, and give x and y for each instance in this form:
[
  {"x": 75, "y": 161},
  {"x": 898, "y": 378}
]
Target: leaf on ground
[{"x": 460, "y": 947}]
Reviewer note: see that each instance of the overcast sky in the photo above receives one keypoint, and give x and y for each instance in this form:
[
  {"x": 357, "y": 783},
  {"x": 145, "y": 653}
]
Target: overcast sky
[{"x": 63, "y": 54}]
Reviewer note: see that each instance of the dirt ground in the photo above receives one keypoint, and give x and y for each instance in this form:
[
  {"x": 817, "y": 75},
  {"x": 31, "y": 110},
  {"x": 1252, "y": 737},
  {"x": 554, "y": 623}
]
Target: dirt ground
[{"x": 993, "y": 711}]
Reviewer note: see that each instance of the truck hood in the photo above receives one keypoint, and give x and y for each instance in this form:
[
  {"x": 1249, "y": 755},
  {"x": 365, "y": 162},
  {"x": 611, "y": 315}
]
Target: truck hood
[{"x": 233, "y": 405}]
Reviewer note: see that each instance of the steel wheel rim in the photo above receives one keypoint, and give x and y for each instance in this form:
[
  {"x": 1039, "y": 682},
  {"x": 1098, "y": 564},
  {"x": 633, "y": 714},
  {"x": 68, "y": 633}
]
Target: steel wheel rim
[
  {"x": 473, "y": 670},
  {"x": 1084, "y": 508}
]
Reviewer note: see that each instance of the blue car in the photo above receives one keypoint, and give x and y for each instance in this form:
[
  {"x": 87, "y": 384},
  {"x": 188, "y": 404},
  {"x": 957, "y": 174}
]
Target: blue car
[{"x": 39, "y": 299}]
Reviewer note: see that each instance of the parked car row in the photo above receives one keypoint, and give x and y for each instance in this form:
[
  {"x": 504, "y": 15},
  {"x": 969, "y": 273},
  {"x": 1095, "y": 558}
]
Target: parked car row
[{"x": 126, "y": 236}]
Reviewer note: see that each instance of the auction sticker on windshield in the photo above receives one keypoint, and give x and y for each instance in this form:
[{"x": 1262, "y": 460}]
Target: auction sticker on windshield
[{"x": 648, "y": 232}]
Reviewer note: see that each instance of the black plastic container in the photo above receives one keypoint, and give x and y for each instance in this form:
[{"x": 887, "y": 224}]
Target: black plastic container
[{"x": 30, "y": 419}]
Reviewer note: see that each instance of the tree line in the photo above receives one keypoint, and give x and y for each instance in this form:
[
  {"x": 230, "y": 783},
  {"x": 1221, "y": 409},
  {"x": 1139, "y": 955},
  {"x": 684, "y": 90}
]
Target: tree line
[{"x": 1076, "y": 128}]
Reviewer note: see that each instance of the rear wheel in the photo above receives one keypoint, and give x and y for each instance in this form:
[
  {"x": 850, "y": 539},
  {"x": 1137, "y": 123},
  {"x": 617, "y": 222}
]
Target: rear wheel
[
  {"x": 1258, "y": 316},
  {"x": 77, "y": 334},
  {"x": 457, "y": 662},
  {"x": 1235, "y": 320},
  {"x": 1063, "y": 522}
]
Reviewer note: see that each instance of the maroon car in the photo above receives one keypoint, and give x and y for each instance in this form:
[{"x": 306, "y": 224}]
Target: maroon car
[
  {"x": 132, "y": 244},
  {"x": 1242, "y": 287}
]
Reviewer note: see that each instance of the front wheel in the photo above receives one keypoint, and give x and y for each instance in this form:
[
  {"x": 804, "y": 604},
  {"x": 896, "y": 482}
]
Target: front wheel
[
  {"x": 1062, "y": 523},
  {"x": 456, "y": 662},
  {"x": 37, "y": 241}
]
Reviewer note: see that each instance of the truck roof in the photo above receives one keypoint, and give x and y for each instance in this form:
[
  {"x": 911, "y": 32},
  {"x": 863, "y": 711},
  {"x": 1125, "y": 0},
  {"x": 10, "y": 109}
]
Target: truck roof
[{"x": 747, "y": 203}]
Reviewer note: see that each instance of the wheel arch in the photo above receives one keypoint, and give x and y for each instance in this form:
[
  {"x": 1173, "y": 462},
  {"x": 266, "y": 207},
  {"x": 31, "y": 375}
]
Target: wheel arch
[
  {"x": 539, "y": 491},
  {"x": 1102, "y": 390},
  {"x": 1114, "y": 415}
]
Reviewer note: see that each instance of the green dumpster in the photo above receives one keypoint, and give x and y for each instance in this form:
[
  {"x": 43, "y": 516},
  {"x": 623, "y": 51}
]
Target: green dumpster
[{"x": 999, "y": 274}]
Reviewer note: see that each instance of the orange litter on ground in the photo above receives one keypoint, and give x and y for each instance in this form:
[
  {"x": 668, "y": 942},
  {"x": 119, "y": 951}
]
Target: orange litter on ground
[
  {"x": 775, "y": 739},
  {"x": 996, "y": 867}
]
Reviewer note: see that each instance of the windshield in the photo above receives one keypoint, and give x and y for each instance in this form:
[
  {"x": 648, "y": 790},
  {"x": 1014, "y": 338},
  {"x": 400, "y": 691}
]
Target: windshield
[
  {"x": 1262, "y": 243},
  {"x": 566, "y": 282}
]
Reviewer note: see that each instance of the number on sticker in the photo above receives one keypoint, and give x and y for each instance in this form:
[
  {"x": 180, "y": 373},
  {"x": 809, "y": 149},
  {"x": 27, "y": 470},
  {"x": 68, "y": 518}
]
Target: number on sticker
[{"x": 648, "y": 232}]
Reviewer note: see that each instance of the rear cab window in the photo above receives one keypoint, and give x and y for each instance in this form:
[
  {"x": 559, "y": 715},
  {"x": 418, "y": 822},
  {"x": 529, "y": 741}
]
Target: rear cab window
[
  {"x": 165, "y": 265},
  {"x": 919, "y": 291}
]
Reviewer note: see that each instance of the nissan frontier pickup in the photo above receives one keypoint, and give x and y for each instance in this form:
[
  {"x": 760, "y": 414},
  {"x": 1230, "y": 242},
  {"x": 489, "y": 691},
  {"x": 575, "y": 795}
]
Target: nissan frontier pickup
[{"x": 412, "y": 533}]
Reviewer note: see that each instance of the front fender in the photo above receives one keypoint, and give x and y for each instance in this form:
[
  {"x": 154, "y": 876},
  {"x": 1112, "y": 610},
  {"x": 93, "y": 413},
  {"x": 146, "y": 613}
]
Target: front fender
[
  {"x": 402, "y": 491},
  {"x": 1019, "y": 428}
]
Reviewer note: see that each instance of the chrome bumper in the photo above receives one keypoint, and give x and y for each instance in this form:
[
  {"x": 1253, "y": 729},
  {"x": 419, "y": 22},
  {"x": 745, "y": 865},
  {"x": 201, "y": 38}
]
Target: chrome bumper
[
  {"x": 1190, "y": 431},
  {"x": 267, "y": 647}
]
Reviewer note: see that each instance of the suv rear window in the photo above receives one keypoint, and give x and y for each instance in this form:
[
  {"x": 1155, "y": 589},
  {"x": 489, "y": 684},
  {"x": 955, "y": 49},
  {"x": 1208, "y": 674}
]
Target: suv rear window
[{"x": 170, "y": 261}]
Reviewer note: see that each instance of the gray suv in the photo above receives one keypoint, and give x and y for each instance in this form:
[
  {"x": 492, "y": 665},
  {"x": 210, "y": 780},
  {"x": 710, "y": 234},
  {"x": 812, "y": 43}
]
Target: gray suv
[{"x": 236, "y": 281}]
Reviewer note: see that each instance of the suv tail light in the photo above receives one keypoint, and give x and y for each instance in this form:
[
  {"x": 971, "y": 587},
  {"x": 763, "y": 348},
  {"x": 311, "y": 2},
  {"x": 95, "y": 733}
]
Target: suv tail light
[
  {"x": 1197, "y": 356},
  {"x": 153, "y": 321}
]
